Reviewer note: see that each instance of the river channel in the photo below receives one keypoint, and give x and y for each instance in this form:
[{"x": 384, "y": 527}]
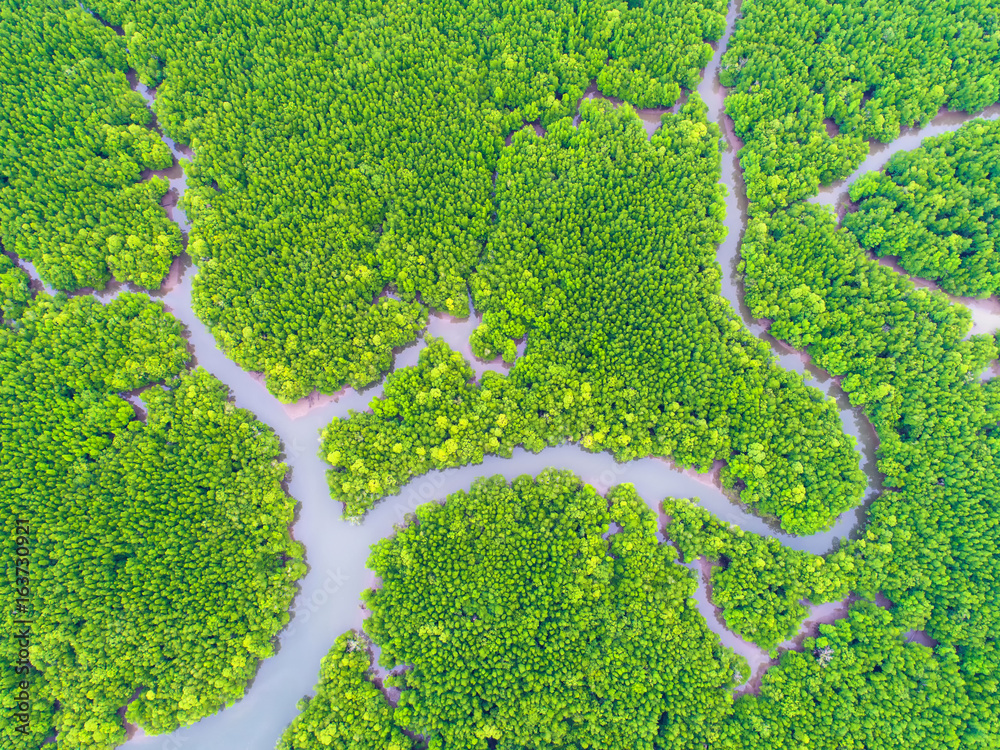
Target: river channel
[{"x": 336, "y": 551}]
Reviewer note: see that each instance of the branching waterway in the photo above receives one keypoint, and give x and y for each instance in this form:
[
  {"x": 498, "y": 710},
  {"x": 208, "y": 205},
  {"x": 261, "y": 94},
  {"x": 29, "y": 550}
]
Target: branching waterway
[
  {"x": 336, "y": 551},
  {"x": 985, "y": 311}
]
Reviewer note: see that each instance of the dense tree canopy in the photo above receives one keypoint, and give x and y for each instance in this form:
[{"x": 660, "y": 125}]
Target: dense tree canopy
[
  {"x": 901, "y": 352},
  {"x": 503, "y": 646},
  {"x": 604, "y": 256},
  {"x": 348, "y": 712},
  {"x": 346, "y": 145},
  {"x": 526, "y": 626},
  {"x": 870, "y": 66},
  {"x": 938, "y": 209},
  {"x": 15, "y": 291},
  {"x": 160, "y": 560},
  {"x": 930, "y": 539},
  {"x": 859, "y": 685},
  {"x": 760, "y": 584},
  {"x": 72, "y": 147}
]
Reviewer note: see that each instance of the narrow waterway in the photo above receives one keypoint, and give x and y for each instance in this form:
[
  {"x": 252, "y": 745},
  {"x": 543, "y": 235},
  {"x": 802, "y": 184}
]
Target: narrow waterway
[
  {"x": 329, "y": 600},
  {"x": 758, "y": 658},
  {"x": 713, "y": 94},
  {"x": 985, "y": 311}
]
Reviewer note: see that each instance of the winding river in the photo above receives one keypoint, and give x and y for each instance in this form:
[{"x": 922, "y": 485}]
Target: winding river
[{"x": 328, "y": 602}]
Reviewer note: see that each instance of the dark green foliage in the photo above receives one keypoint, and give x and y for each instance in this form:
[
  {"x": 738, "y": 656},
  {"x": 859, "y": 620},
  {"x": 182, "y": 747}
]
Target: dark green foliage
[
  {"x": 73, "y": 147},
  {"x": 353, "y": 143},
  {"x": 348, "y": 712},
  {"x": 759, "y": 584},
  {"x": 938, "y": 208},
  {"x": 872, "y": 66},
  {"x": 931, "y": 540},
  {"x": 604, "y": 255},
  {"x": 525, "y": 627},
  {"x": 981, "y": 671},
  {"x": 161, "y": 565},
  {"x": 859, "y": 685}
]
